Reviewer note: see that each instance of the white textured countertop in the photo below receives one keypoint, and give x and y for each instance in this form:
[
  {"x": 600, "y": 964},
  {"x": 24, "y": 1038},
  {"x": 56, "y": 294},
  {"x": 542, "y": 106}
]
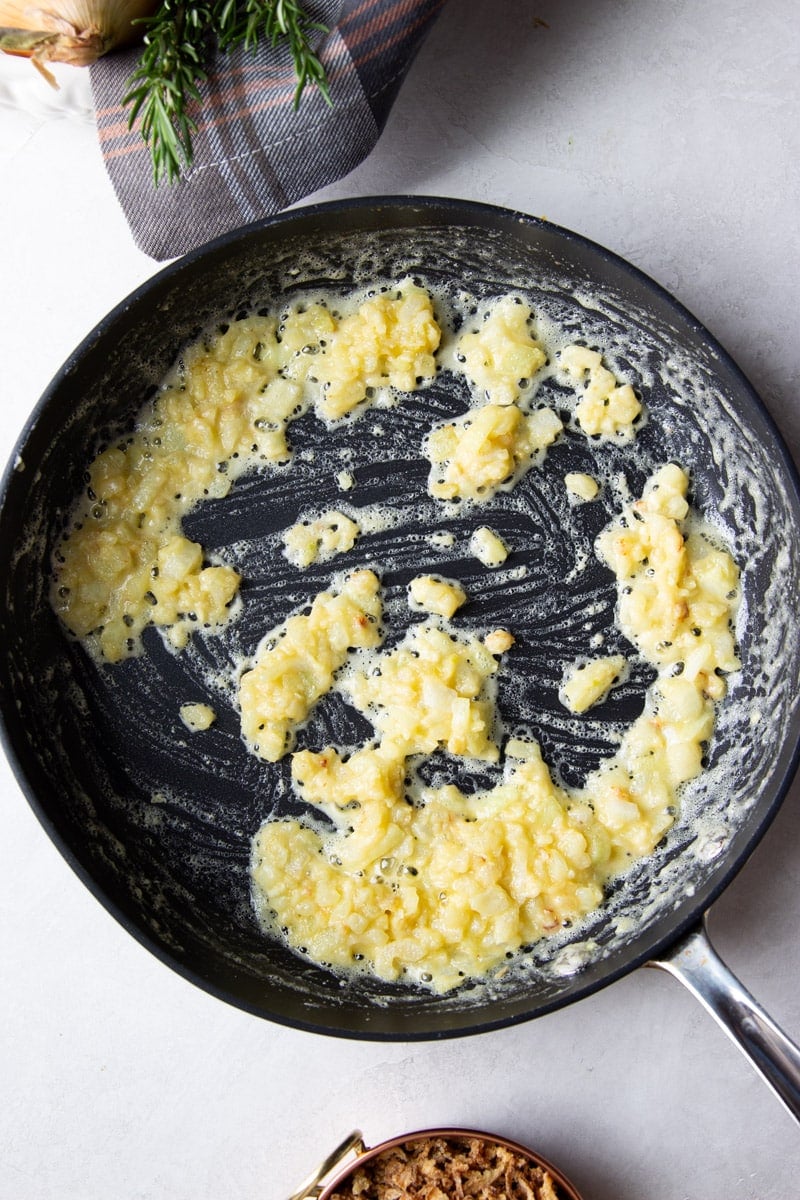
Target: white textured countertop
[{"x": 669, "y": 132}]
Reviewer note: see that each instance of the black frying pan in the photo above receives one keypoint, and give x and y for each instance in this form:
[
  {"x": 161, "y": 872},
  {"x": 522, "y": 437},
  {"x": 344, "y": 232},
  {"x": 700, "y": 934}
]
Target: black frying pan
[{"x": 93, "y": 747}]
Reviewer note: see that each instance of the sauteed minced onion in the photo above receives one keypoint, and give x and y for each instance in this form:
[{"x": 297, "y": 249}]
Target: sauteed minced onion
[{"x": 389, "y": 904}]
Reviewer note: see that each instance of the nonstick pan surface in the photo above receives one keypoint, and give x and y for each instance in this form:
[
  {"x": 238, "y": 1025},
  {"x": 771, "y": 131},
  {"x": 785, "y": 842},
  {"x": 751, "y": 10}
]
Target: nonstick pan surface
[{"x": 158, "y": 823}]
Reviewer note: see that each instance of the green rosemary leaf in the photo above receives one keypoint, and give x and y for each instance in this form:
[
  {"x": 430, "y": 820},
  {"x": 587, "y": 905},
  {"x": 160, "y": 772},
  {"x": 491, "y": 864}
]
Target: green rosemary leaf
[{"x": 179, "y": 40}]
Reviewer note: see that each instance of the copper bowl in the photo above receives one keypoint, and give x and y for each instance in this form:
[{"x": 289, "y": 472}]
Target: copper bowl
[{"x": 353, "y": 1154}]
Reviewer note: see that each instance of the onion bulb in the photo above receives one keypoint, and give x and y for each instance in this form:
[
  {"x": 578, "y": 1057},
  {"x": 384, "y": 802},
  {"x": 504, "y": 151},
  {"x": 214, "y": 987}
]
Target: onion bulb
[{"x": 69, "y": 31}]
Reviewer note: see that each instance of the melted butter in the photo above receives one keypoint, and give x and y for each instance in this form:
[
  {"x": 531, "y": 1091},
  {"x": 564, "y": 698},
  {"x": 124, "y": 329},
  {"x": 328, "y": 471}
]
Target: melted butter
[
  {"x": 123, "y": 563},
  {"x": 574, "y": 841},
  {"x": 445, "y": 887}
]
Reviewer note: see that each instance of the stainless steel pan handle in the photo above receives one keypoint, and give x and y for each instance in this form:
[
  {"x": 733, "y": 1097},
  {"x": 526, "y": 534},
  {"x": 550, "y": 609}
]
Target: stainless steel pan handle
[{"x": 695, "y": 962}]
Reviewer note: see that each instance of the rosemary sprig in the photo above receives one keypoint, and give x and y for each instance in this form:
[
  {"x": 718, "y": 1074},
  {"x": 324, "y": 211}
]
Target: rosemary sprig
[
  {"x": 273, "y": 20},
  {"x": 179, "y": 40},
  {"x": 171, "y": 67}
]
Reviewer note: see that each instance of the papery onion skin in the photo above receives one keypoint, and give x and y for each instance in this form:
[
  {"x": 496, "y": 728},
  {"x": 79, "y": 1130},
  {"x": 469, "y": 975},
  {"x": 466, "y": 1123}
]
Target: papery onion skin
[{"x": 70, "y": 31}]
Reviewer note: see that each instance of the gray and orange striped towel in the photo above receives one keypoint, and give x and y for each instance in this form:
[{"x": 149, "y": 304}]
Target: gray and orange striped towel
[{"x": 254, "y": 153}]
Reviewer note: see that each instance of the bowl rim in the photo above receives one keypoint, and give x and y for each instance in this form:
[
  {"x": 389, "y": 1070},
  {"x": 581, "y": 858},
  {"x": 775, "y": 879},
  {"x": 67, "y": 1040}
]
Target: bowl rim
[{"x": 338, "y": 1167}]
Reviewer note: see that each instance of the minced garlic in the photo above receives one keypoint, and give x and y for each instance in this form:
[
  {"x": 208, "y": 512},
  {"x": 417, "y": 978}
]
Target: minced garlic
[
  {"x": 197, "y": 717},
  {"x": 607, "y": 408},
  {"x": 498, "y": 641},
  {"x": 437, "y": 891},
  {"x": 439, "y": 596},
  {"x": 489, "y": 446},
  {"x": 488, "y": 547},
  {"x": 502, "y": 355},
  {"x": 446, "y": 887},
  {"x": 586, "y": 683},
  {"x": 676, "y": 594},
  {"x": 298, "y": 660},
  {"x": 389, "y": 341},
  {"x": 581, "y": 486},
  {"x": 430, "y": 691},
  {"x": 123, "y": 563},
  {"x": 321, "y": 539}
]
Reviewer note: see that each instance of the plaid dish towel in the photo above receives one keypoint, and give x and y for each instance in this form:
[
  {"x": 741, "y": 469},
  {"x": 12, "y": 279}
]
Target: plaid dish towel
[{"x": 254, "y": 154}]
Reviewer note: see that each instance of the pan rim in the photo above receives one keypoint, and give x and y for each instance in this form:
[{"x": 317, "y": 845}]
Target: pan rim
[{"x": 463, "y": 213}]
